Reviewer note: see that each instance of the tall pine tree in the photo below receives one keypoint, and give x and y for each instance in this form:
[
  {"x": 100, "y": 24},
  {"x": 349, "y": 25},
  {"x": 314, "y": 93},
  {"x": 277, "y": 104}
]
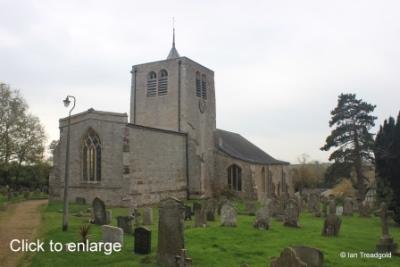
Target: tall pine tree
[
  {"x": 387, "y": 169},
  {"x": 351, "y": 122}
]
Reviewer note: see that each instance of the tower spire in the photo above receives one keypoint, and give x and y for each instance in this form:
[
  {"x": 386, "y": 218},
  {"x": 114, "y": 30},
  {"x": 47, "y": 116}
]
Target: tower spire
[{"x": 173, "y": 53}]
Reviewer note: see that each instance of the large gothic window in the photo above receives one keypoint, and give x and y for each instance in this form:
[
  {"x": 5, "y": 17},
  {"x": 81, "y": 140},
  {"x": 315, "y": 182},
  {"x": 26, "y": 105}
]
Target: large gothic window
[
  {"x": 91, "y": 154},
  {"x": 235, "y": 177},
  {"x": 163, "y": 82},
  {"x": 151, "y": 84}
]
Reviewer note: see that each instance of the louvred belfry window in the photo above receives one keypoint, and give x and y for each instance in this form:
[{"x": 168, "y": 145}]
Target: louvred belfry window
[
  {"x": 163, "y": 82},
  {"x": 151, "y": 84}
]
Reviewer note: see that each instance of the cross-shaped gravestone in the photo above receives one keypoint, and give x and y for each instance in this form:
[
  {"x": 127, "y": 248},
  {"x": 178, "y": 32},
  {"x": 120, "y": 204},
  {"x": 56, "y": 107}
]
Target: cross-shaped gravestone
[{"x": 182, "y": 260}]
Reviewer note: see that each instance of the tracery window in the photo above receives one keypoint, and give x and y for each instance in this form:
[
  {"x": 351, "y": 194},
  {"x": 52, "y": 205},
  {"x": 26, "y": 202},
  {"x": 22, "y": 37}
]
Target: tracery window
[{"x": 91, "y": 155}]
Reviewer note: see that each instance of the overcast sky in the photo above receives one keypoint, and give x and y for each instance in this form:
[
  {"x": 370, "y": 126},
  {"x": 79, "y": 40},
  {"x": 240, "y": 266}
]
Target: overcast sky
[{"x": 279, "y": 65}]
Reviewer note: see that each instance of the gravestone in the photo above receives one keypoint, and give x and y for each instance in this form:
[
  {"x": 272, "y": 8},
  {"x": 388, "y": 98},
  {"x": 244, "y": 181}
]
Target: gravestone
[
  {"x": 250, "y": 207},
  {"x": 112, "y": 234},
  {"x": 314, "y": 205},
  {"x": 148, "y": 216},
  {"x": 339, "y": 211},
  {"x": 292, "y": 214},
  {"x": 364, "y": 209},
  {"x": 99, "y": 212},
  {"x": 188, "y": 213},
  {"x": 125, "y": 223},
  {"x": 348, "y": 206},
  {"x": 196, "y": 206},
  {"x": 200, "y": 219},
  {"x": 228, "y": 215},
  {"x": 108, "y": 216},
  {"x": 332, "y": 222},
  {"x": 142, "y": 240},
  {"x": 170, "y": 231},
  {"x": 80, "y": 200},
  {"x": 262, "y": 221},
  {"x": 211, "y": 209},
  {"x": 386, "y": 242},
  {"x": 299, "y": 256}
]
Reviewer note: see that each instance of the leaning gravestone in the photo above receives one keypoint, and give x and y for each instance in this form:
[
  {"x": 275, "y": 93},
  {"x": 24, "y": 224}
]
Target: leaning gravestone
[
  {"x": 292, "y": 213},
  {"x": 347, "y": 206},
  {"x": 332, "y": 222},
  {"x": 112, "y": 234},
  {"x": 125, "y": 223},
  {"x": 99, "y": 211},
  {"x": 228, "y": 215},
  {"x": 142, "y": 240},
  {"x": 262, "y": 218},
  {"x": 148, "y": 216},
  {"x": 170, "y": 231},
  {"x": 299, "y": 256}
]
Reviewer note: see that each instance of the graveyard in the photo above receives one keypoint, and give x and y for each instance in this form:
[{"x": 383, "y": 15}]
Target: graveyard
[{"x": 216, "y": 245}]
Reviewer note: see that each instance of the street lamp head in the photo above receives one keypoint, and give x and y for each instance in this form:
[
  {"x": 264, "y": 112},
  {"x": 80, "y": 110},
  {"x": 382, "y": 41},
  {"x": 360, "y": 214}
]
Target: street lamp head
[{"x": 66, "y": 101}]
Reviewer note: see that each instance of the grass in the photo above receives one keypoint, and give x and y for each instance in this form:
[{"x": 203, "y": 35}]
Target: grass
[{"x": 218, "y": 246}]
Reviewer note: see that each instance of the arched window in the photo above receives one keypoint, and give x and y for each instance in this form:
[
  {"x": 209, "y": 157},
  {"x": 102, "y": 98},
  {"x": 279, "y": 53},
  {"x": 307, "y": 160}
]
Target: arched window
[
  {"x": 235, "y": 177},
  {"x": 151, "y": 84},
  {"x": 204, "y": 86},
  {"x": 91, "y": 155},
  {"x": 163, "y": 82},
  {"x": 198, "y": 84}
]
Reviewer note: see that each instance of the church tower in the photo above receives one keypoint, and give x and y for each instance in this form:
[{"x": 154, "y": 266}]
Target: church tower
[{"x": 177, "y": 94}]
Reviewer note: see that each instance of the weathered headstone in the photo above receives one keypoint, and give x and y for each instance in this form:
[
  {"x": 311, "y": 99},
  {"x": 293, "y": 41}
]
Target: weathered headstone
[
  {"x": 314, "y": 205},
  {"x": 262, "y": 218},
  {"x": 332, "y": 222},
  {"x": 80, "y": 200},
  {"x": 211, "y": 209},
  {"x": 386, "y": 242},
  {"x": 148, "y": 216},
  {"x": 142, "y": 240},
  {"x": 125, "y": 223},
  {"x": 250, "y": 207},
  {"x": 200, "y": 219},
  {"x": 170, "y": 231},
  {"x": 348, "y": 206},
  {"x": 108, "y": 216},
  {"x": 339, "y": 211},
  {"x": 188, "y": 213},
  {"x": 292, "y": 214},
  {"x": 112, "y": 234},
  {"x": 299, "y": 256},
  {"x": 228, "y": 215},
  {"x": 365, "y": 209},
  {"x": 99, "y": 211}
]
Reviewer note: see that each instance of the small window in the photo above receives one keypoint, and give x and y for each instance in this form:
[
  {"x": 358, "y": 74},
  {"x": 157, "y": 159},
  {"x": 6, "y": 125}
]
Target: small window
[
  {"x": 204, "y": 86},
  {"x": 152, "y": 84},
  {"x": 235, "y": 177},
  {"x": 163, "y": 82},
  {"x": 198, "y": 84}
]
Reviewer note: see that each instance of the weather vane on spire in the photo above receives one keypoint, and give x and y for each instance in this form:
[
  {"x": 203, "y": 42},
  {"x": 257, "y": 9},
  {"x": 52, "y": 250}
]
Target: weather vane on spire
[{"x": 173, "y": 53}]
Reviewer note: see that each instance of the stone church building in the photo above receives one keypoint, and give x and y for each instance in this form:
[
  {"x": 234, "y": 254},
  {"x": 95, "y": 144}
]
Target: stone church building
[{"x": 170, "y": 145}]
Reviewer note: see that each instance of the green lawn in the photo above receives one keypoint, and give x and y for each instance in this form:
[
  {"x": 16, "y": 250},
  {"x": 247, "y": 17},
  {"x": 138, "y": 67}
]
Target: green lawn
[{"x": 219, "y": 246}]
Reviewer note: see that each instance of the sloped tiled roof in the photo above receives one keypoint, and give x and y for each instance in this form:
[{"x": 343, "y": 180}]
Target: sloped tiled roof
[{"x": 238, "y": 147}]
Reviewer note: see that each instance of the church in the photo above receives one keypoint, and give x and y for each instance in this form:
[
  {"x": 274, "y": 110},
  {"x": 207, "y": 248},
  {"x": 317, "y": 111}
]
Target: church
[{"x": 169, "y": 146}]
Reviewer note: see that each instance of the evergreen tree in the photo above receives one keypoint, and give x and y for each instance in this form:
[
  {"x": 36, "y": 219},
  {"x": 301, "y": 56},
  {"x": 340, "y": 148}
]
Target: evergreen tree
[
  {"x": 354, "y": 143},
  {"x": 387, "y": 170}
]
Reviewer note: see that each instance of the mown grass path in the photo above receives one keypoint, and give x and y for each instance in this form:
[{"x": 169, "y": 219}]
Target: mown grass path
[{"x": 21, "y": 221}]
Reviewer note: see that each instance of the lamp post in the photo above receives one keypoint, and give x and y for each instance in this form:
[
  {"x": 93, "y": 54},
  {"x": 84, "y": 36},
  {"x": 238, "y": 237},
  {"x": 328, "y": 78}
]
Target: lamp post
[{"x": 67, "y": 101}]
